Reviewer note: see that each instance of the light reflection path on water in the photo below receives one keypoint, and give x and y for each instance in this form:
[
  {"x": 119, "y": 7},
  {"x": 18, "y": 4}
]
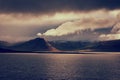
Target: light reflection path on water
[{"x": 59, "y": 66}]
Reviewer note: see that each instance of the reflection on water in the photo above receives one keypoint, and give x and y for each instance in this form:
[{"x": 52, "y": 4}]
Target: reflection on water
[{"x": 59, "y": 67}]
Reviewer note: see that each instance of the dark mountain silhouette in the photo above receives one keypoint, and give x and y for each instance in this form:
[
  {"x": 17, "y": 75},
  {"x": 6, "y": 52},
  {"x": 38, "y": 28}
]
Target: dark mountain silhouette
[
  {"x": 38, "y": 44},
  {"x": 69, "y": 45},
  {"x": 6, "y": 50},
  {"x": 111, "y": 46},
  {"x": 3, "y": 44},
  {"x": 105, "y": 46}
]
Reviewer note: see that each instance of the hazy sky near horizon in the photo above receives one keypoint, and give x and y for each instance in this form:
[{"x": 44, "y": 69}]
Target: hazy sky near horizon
[{"x": 59, "y": 19}]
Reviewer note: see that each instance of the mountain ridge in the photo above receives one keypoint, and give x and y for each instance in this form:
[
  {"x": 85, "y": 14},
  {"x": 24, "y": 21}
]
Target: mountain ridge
[{"x": 39, "y": 44}]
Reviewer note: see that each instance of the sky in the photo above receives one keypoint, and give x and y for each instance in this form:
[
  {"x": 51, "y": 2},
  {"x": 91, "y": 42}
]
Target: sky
[{"x": 73, "y": 20}]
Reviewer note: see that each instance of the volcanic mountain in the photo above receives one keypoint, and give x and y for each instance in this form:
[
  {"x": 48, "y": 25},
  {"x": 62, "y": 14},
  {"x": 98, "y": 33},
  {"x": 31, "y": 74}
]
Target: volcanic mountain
[{"x": 37, "y": 44}]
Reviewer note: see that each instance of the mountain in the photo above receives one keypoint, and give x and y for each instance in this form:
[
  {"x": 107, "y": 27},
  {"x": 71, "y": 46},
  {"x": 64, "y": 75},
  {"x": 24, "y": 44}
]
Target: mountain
[
  {"x": 103, "y": 46},
  {"x": 38, "y": 44},
  {"x": 5, "y": 50},
  {"x": 3, "y": 44},
  {"x": 69, "y": 45}
]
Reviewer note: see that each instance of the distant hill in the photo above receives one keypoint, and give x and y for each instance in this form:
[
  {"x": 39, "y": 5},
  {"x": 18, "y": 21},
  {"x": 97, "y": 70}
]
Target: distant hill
[
  {"x": 111, "y": 46},
  {"x": 3, "y": 44},
  {"x": 38, "y": 44},
  {"x": 6, "y": 50},
  {"x": 69, "y": 45},
  {"x": 107, "y": 46}
]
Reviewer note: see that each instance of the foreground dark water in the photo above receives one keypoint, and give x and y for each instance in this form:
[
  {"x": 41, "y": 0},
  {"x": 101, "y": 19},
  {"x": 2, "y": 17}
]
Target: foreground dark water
[{"x": 60, "y": 66}]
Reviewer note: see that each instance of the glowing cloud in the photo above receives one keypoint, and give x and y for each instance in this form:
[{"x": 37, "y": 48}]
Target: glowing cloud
[
  {"x": 39, "y": 34},
  {"x": 104, "y": 20},
  {"x": 109, "y": 36},
  {"x": 72, "y": 23}
]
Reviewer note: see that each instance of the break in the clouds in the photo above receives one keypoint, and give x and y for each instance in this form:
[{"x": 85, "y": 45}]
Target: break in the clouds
[
  {"x": 51, "y": 6},
  {"x": 59, "y": 19}
]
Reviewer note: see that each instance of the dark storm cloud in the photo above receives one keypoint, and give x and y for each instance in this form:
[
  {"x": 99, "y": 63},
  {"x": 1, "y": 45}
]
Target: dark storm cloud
[{"x": 42, "y": 6}]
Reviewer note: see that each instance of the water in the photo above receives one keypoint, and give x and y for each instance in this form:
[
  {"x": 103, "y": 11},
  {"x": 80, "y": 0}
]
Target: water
[{"x": 60, "y": 66}]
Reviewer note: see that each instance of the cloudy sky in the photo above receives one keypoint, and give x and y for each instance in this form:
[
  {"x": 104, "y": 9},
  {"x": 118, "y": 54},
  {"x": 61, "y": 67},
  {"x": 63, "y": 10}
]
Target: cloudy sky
[{"x": 60, "y": 19}]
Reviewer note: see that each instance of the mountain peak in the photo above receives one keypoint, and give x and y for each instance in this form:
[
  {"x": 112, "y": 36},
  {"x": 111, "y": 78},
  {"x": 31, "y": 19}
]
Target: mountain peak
[
  {"x": 37, "y": 44},
  {"x": 38, "y": 39}
]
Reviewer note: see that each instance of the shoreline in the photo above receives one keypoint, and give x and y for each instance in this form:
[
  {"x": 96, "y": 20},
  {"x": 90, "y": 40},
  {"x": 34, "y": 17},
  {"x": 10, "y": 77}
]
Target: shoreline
[{"x": 60, "y": 52}]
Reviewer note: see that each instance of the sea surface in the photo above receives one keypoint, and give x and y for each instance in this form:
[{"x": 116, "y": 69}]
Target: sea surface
[{"x": 35, "y": 66}]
